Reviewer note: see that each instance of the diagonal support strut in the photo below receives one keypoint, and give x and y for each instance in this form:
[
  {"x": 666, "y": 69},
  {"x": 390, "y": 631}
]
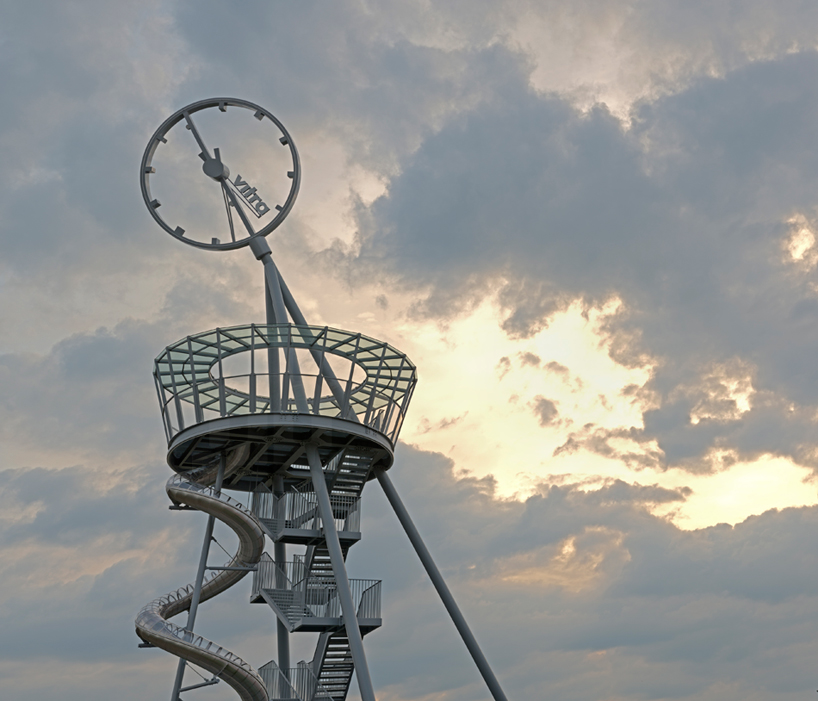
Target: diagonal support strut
[
  {"x": 336, "y": 555},
  {"x": 442, "y": 590}
]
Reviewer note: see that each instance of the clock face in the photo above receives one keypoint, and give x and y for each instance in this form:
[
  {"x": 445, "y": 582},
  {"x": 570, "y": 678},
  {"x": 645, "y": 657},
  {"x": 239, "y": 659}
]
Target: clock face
[{"x": 219, "y": 172}]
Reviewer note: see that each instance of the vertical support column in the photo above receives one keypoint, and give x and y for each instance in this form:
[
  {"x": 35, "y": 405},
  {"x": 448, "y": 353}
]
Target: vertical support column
[
  {"x": 440, "y": 585},
  {"x": 336, "y": 556},
  {"x": 280, "y": 556},
  {"x": 197, "y": 587}
]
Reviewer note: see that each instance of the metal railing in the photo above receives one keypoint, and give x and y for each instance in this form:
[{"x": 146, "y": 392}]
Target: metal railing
[
  {"x": 270, "y": 576},
  {"x": 316, "y": 596},
  {"x": 300, "y": 510},
  {"x": 370, "y": 601},
  {"x": 279, "y": 686},
  {"x": 295, "y": 683},
  {"x": 283, "y": 368}
]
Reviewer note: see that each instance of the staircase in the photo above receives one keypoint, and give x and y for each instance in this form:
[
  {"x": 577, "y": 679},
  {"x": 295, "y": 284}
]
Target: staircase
[
  {"x": 350, "y": 475},
  {"x": 303, "y": 593},
  {"x": 333, "y": 665},
  {"x": 318, "y": 561}
]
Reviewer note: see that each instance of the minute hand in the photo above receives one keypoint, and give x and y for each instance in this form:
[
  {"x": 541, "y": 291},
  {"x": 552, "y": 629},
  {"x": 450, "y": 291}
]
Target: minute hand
[{"x": 196, "y": 136}]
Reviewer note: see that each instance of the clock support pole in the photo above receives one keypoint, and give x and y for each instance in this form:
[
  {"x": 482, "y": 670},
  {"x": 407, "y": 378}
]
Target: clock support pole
[{"x": 275, "y": 314}]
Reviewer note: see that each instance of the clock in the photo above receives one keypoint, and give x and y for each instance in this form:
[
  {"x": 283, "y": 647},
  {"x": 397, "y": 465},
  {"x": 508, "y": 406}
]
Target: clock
[{"x": 220, "y": 172}]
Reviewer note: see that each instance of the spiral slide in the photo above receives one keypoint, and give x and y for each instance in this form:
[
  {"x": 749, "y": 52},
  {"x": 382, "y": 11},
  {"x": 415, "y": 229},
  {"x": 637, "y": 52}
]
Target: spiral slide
[{"x": 152, "y": 625}]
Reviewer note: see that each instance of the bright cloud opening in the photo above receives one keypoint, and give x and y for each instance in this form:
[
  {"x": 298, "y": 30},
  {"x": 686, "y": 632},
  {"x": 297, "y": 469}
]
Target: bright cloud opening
[{"x": 557, "y": 407}]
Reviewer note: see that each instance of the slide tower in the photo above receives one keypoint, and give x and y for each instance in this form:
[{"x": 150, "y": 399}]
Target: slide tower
[{"x": 298, "y": 418}]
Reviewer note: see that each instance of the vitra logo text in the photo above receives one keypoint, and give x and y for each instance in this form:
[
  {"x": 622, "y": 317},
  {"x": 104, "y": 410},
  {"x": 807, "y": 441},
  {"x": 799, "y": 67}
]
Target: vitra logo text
[{"x": 250, "y": 196}]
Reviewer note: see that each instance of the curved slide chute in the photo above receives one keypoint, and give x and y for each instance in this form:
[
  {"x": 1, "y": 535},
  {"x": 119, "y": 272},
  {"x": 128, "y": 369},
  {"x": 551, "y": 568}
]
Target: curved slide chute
[{"x": 152, "y": 625}]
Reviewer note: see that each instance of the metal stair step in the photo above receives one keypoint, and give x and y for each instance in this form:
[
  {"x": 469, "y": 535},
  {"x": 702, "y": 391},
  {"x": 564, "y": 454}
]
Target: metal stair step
[{"x": 337, "y": 668}]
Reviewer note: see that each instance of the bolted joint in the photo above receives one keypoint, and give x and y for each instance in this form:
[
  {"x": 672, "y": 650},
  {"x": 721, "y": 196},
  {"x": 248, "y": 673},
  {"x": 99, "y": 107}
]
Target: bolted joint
[{"x": 259, "y": 247}]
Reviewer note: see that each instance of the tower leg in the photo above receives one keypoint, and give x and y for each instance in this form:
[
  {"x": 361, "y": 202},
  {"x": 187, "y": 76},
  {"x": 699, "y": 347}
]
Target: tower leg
[
  {"x": 197, "y": 590},
  {"x": 336, "y": 555},
  {"x": 280, "y": 553},
  {"x": 440, "y": 585},
  {"x": 279, "y": 549}
]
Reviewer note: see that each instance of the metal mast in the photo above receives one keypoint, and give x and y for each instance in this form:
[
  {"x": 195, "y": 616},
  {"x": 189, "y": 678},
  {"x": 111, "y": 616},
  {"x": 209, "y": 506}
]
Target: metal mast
[{"x": 300, "y": 418}]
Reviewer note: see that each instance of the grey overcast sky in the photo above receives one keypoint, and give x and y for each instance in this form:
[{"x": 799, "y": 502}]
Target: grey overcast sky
[{"x": 591, "y": 224}]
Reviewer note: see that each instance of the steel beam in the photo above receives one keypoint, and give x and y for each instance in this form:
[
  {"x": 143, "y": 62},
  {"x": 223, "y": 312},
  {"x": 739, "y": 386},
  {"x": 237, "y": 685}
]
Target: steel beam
[
  {"x": 442, "y": 590},
  {"x": 272, "y": 283},
  {"x": 336, "y": 556},
  {"x": 273, "y": 366},
  {"x": 280, "y": 557},
  {"x": 197, "y": 587},
  {"x": 321, "y": 361}
]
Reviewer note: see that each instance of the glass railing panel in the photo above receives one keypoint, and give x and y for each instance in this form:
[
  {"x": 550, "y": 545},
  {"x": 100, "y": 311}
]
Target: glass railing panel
[{"x": 198, "y": 378}]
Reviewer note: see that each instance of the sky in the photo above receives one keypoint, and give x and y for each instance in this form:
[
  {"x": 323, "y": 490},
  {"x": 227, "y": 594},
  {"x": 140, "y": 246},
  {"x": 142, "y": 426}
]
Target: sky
[{"x": 593, "y": 226}]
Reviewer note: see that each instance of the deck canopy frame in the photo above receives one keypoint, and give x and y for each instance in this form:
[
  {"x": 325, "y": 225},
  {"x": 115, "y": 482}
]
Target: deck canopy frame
[{"x": 207, "y": 408}]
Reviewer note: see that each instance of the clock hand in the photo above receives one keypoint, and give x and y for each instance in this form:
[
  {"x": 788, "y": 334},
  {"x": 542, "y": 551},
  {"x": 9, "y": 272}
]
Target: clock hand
[
  {"x": 195, "y": 132},
  {"x": 214, "y": 168},
  {"x": 227, "y": 206},
  {"x": 237, "y": 207}
]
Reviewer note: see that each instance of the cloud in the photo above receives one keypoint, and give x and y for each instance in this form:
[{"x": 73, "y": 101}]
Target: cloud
[
  {"x": 453, "y": 153},
  {"x": 681, "y": 216},
  {"x": 570, "y": 590},
  {"x": 585, "y": 594},
  {"x": 545, "y": 410}
]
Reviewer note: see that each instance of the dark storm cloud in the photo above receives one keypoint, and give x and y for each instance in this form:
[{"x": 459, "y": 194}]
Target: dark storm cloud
[
  {"x": 89, "y": 392},
  {"x": 356, "y": 71}
]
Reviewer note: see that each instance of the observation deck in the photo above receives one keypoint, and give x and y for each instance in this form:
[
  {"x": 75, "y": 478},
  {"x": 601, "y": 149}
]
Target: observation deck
[{"x": 261, "y": 392}]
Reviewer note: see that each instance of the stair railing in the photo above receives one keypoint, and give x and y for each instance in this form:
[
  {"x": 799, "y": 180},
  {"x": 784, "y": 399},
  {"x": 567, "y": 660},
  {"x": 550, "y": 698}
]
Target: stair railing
[
  {"x": 279, "y": 687},
  {"x": 322, "y": 597},
  {"x": 320, "y": 593},
  {"x": 299, "y": 683},
  {"x": 300, "y": 510},
  {"x": 312, "y": 688},
  {"x": 271, "y": 575},
  {"x": 370, "y": 602}
]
